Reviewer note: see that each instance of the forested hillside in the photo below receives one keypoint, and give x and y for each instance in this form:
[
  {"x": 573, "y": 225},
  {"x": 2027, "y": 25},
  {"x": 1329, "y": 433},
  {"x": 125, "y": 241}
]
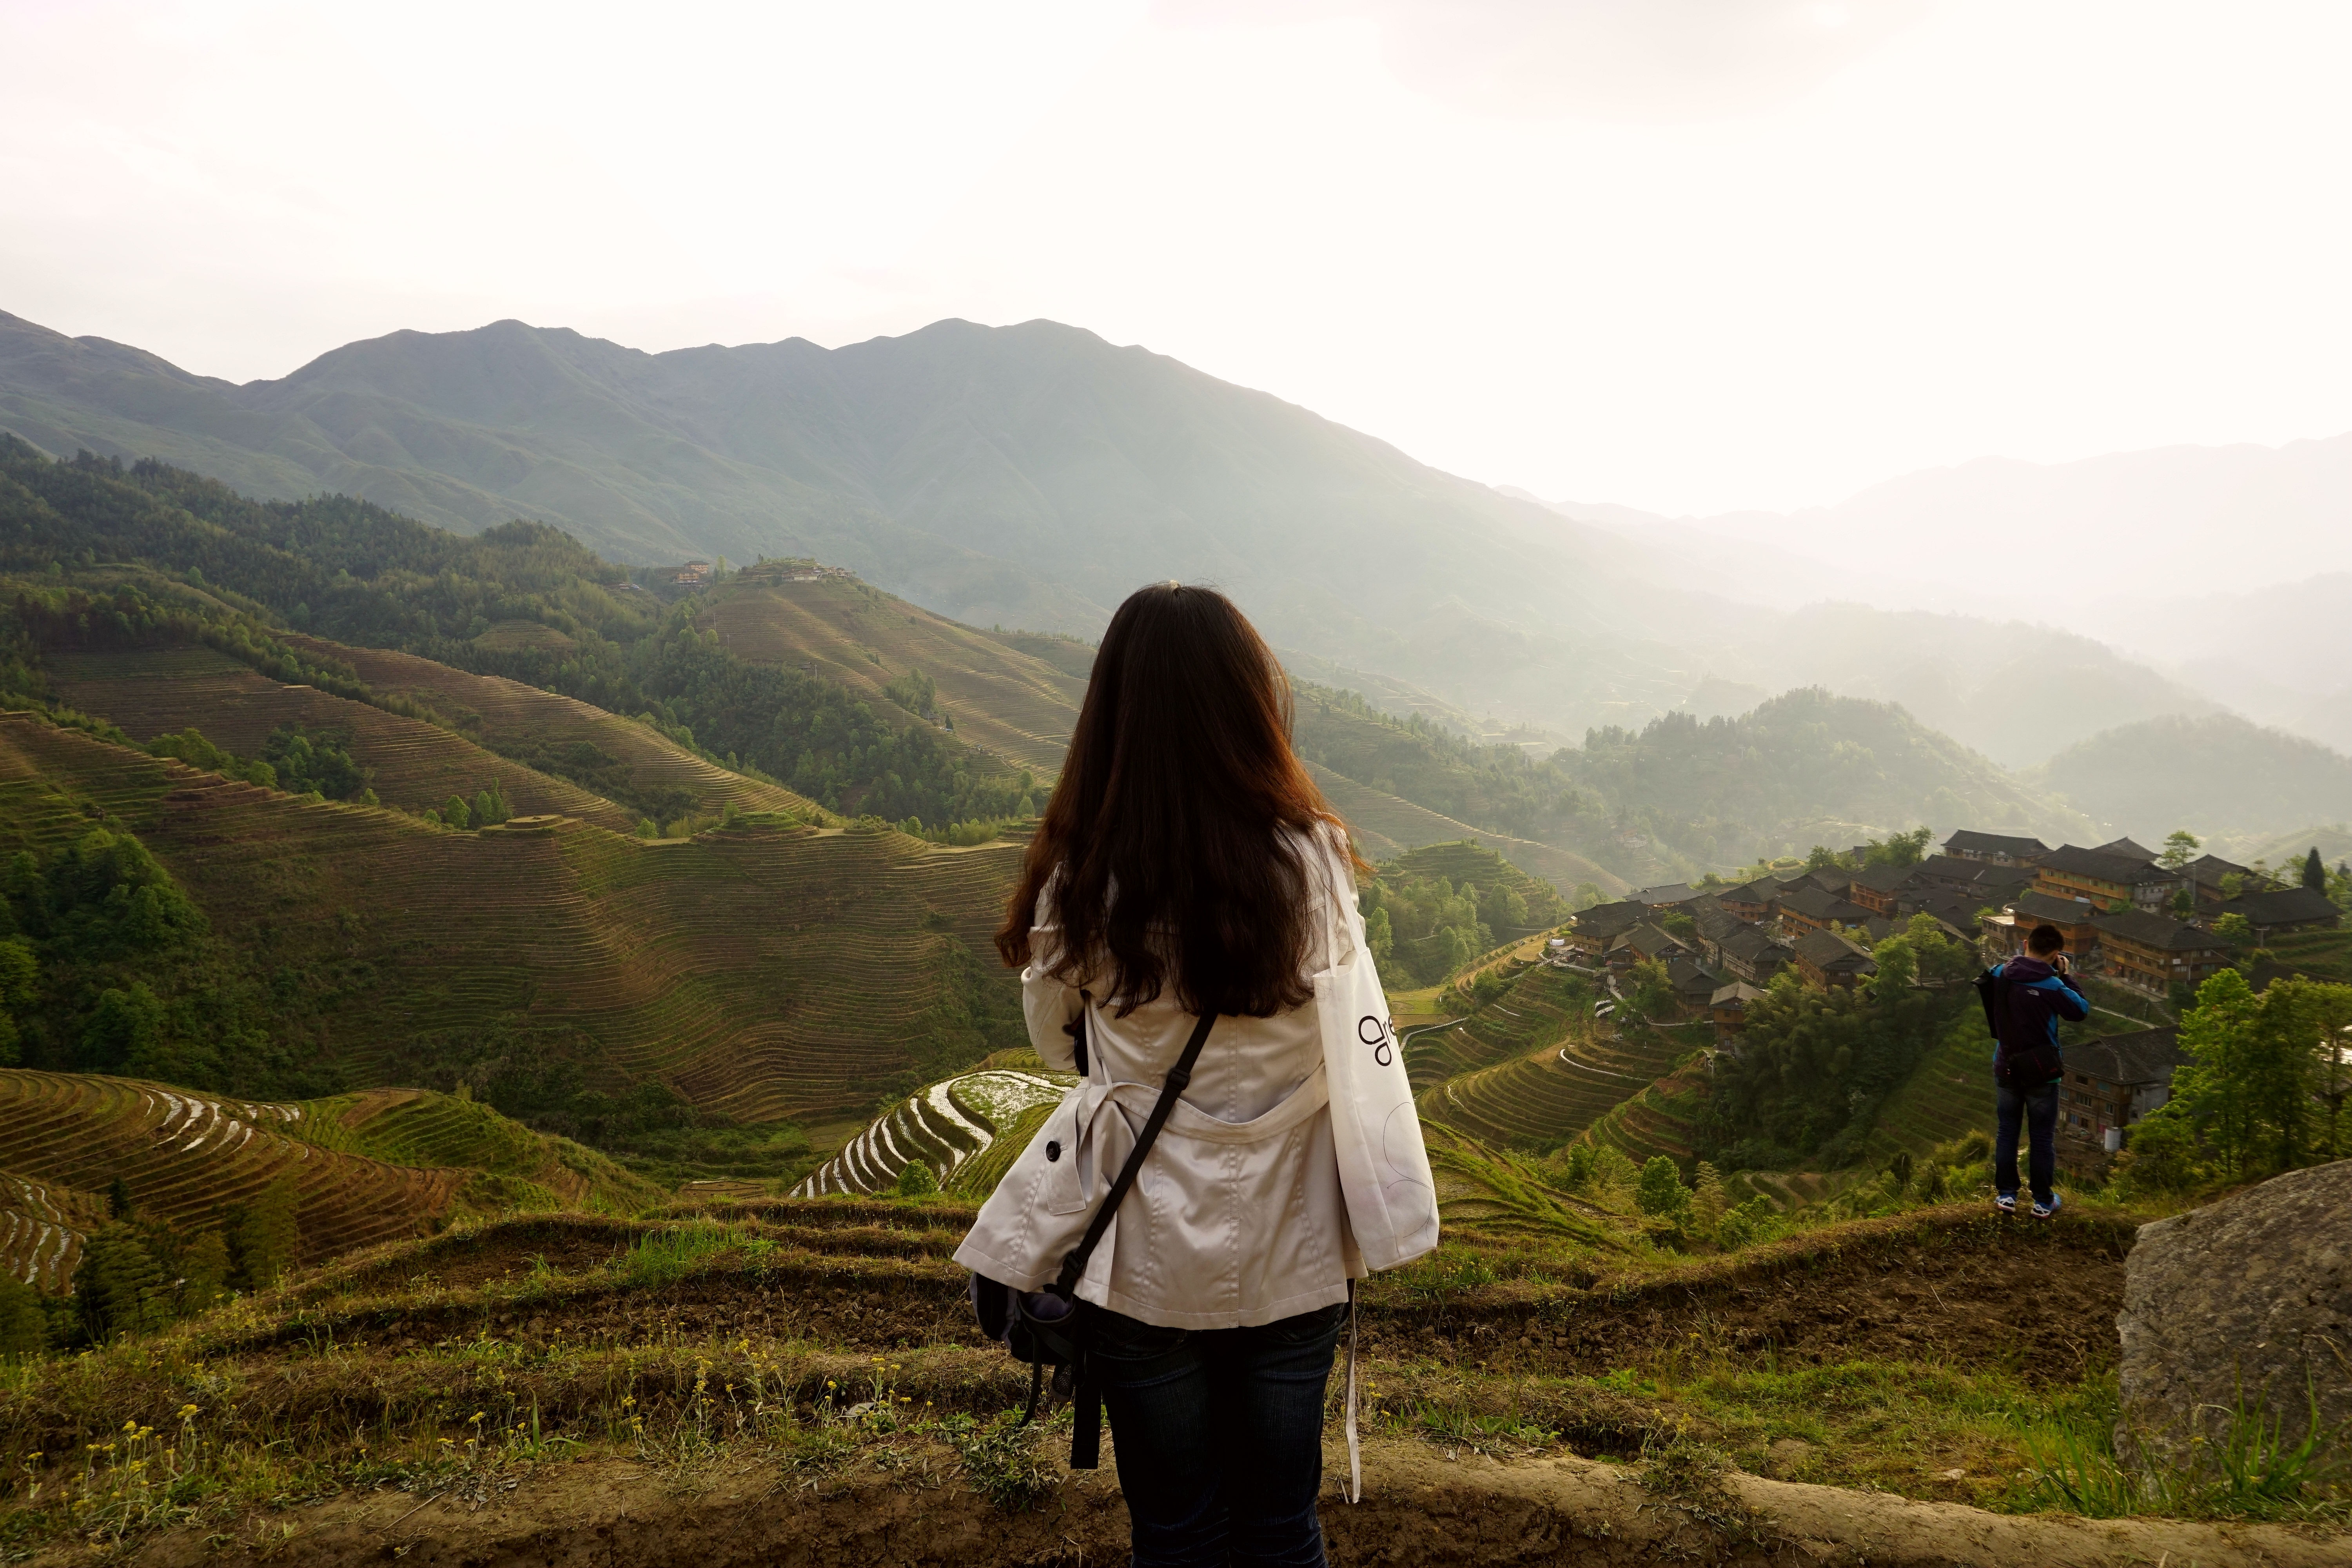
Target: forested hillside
[
  {"x": 2218, "y": 776},
  {"x": 1032, "y": 476}
]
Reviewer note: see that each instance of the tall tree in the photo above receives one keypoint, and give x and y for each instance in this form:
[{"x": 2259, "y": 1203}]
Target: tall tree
[
  {"x": 2315, "y": 871},
  {"x": 2178, "y": 845}
]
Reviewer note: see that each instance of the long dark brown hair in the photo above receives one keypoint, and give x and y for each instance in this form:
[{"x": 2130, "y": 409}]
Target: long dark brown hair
[{"x": 1178, "y": 785}]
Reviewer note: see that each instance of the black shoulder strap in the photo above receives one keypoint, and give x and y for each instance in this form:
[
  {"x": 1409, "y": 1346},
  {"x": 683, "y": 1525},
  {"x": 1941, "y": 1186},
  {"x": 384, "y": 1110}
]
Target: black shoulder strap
[{"x": 1075, "y": 1265}]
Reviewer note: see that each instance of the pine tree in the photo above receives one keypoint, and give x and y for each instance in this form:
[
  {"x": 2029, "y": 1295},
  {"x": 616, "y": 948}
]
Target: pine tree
[
  {"x": 119, "y": 1288},
  {"x": 118, "y": 1199},
  {"x": 456, "y": 813},
  {"x": 24, "y": 1327},
  {"x": 2315, "y": 871},
  {"x": 262, "y": 1237}
]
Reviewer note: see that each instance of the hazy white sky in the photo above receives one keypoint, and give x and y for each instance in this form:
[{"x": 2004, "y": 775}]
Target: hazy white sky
[{"x": 1688, "y": 255}]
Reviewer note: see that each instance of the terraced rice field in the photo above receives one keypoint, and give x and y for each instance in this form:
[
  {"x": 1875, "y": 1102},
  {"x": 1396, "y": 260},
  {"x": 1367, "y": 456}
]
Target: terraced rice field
[
  {"x": 763, "y": 973},
  {"x": 186, "y": 1155},
  {"x": 410, "y": 763},
  {"x": 417, "y": 1126},
  {"x": 1949, "y": 1094},
  {"x": 1008, "y": 703},
  {"x": 1661, "y": 1119},
  {"x": 1543, "y": 1003},
  {"x": 947, "y": 1126},
  {"x": 1545, "y": 1097},
  {"x": 42, "y": 1224},
  {"x": 507, "y": 714}
]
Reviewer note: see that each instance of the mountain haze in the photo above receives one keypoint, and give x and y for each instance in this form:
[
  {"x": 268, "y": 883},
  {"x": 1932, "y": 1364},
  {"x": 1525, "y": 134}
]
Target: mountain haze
[{"x": 1032, "y": 476}]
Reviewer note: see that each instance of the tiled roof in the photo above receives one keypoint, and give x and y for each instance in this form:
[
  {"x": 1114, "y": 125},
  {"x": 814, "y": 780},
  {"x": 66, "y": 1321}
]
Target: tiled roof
[
  {"x": 2049, "y": 907},
  {"x": 1815, "y": 903},
  {"x": 1993, "y": 843},
  {"x": 2160, "y": 931},
  {"x": 1610, "y": 919},
  {"x": 1665, "y": 894},
  {"x": 2121, "y": 869},
  {"x": 2147, "y": 1057},
  {"x": 1825, "y": 949},
  {"x": 2284, "y": 906},
  {"x": 1883, "y": 878}
]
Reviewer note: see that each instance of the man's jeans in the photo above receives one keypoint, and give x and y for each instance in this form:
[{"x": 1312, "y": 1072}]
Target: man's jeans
[
  {"x": 1219, "y": 1437},
  {"x": 2038, "y": 1109}
]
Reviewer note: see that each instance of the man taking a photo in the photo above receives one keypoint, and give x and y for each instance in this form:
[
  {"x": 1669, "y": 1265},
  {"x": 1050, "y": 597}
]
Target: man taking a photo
[{"x": 2025, "y": 998}]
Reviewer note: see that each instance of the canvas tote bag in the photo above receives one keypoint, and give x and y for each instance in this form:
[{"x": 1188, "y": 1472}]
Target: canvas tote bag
[{"x": 1384, "y": 1175}]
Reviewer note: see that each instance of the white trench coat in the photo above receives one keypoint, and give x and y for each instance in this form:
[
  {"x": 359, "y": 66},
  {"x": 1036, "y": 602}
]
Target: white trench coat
[{"x": 1253, "y": 1206}]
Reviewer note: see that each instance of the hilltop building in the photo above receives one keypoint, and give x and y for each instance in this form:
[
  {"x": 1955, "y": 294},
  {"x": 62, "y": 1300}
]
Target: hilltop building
[
  {"x": 1878, "y": 888},
  {"x": 1825, "y": 960},
  {"x": 1996, "y": 848},
  {"x": 2006, "y": 931},
  {"x": 1818, "y": 910},
  {"x": 1749, "y": 902},
  {"x": 1726, "y": 1009},
  {"x": 2113, "y": 1082},
  {"x": 1591, "y": 930},
  {"x": 2281, "y": 910},
  {"x": 2105, "y": 880},
  {"x": 2151, "y": 952}
]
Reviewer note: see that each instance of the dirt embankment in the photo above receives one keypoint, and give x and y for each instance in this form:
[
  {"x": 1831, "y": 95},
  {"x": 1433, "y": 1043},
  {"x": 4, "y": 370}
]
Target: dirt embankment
[{"x": 1420, "y": 1508}]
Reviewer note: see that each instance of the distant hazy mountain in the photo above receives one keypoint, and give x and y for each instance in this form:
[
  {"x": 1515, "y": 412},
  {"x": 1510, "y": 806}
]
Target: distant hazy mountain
[
  {"x": 1032, "y": 476},
  {"x": 2216, "y": 775},
  {"x": 2042, "y": 540}
]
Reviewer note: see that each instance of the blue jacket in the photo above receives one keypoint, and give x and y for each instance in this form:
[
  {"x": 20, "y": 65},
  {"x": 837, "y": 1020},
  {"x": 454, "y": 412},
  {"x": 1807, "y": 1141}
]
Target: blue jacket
[{"x": 2038, "y": 996}]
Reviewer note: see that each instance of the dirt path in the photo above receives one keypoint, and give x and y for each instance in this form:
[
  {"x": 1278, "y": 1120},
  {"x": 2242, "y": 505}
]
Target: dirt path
[{"x": 1419, "y": 1506}]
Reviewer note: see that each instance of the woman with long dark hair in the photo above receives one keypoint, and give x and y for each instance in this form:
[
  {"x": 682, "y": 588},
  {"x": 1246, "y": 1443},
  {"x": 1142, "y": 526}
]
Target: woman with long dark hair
[{"x": 1189, "y": 887}]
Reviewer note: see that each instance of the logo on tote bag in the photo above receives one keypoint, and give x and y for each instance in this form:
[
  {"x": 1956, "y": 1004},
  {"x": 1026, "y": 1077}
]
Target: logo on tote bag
[{"x": 1380, "y": 1035}]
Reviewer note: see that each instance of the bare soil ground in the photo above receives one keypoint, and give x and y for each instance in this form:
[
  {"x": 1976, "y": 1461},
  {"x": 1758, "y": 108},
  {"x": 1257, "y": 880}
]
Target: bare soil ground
[
  {"x": 1492, "y": 1405},
  {"x": 1420, "y": 1506}
]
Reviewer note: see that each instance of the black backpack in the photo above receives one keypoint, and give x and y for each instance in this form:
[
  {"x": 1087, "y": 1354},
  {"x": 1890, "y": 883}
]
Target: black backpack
[
  {"x": 1048, "y": 1327},
  {"x": 2020, "y": 1065}
]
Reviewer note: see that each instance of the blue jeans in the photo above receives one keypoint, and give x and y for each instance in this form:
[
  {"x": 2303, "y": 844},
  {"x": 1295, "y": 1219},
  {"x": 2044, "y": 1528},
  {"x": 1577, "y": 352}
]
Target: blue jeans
[
  {"x": 2038, "y": 1109},
  {"x": 1219, "y": 1437}
]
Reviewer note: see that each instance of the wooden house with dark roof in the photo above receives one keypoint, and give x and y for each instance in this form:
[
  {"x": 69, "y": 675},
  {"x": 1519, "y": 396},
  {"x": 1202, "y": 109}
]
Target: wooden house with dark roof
[
  {"x": 1877, "y": 888},
  {"x": 1751, "y": 955},
  {"x": 1650, "y": 944},
  {"x": 2068, "y": 872},
  {"x": 1692, "y": 982},
  {"x": 2126, "y": 849},
  {"x": 2000, "y": 848},
  {"x": 2113, "y": 1082},
  {"x": 1590, "y": 931},
  {"x": 2205, "y": 874},
  {"x": 1749, "y": 902},
  {"x": 1816, "y": 909},
  {"x": 2005, "y": 932},
  {"x": 2151, "y": 952},
  {"x": 1726, "y": 1009},
  {"x": 1826, "y": 960},
  {"x": 1667, "y": 896},
  {"x": 2284, "y": 909}
]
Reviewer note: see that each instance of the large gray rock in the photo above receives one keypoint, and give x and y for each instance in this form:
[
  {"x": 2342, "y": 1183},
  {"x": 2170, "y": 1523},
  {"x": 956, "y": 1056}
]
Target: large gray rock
[{"x": 2250, "y": 1297}]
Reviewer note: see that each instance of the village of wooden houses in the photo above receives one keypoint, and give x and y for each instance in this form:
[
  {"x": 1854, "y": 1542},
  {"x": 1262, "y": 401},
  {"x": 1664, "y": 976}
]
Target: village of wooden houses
[{"x": 2158, "y": 928}]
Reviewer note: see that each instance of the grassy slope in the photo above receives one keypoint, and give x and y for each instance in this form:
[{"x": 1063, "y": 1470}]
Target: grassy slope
[
  {"x": 509, "y": 717},
  {"x": 1003, "y": 700},
  {"x": 1386, "y": 826},
  {"x": 411, "y": 763},
  {"x": 763, "y": 973},
  {"x": 418, "y": 1127}
]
